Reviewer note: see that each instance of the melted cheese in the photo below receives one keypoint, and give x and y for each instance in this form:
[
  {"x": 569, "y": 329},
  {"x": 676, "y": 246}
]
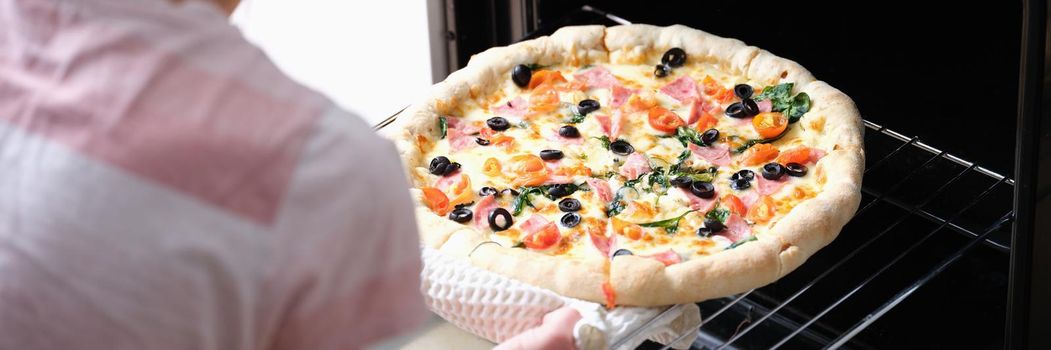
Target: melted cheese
[{"x": 647, "y": 206}]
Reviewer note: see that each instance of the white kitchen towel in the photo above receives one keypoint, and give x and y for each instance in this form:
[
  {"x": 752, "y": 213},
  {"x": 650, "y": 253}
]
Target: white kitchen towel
[{"x": 496, "y": 308}]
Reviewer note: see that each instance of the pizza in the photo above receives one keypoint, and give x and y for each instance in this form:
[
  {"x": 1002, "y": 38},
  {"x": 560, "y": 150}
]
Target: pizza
[{"x": 633, "y": 165}]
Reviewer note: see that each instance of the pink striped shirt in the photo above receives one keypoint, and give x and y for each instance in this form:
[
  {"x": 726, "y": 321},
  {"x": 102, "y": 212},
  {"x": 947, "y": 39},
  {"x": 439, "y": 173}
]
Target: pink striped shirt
[{"x": 164, "y": 186}]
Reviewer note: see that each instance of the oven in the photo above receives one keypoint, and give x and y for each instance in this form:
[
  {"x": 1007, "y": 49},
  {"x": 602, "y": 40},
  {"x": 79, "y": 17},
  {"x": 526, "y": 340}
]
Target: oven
[{"x": 951, "y": 247}]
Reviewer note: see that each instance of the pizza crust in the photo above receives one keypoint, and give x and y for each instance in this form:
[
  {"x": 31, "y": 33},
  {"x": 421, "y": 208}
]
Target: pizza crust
[{"x": 811, "y": 225}]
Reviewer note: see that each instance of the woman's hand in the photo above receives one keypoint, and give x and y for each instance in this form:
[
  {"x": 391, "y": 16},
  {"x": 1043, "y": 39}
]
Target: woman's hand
[{"x": 555, "y": 332}]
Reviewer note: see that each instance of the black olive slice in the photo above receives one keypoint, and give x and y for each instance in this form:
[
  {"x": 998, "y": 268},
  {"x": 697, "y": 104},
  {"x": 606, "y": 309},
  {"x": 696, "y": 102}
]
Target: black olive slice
[
  {"x": 714, "y": 225},
  {"x": 482, "y": 141},
  {"x": 740, "y": 184},
  {"x": 488, "y": 191},
  {"x": 498, "y": 123},
  {"x": 451, "y": 168},
  {"x": 570, "y": 220},
  {"x": 743, "y": 91},
  {"x": 500, "y": 219},
  {"x": 750, "y": 107},
  {"x": 773, "y": 171},
  {"x": 704, "y": 231},
  {"x": 587, "y": 106},
  {"x": 551, "y": 154},
  {"x": 662, "y": 70},
  {"x": 702, "y": 189},
  {"x": 674, "y": 57},
  {"x": 682, "y": 182},
  {"x": 569, "y": 131},
  {"x": 710, "y": 136},
  {"x": 569, "y": 205},
  {"x": 620, "y": 252},
  {"x": 736, "y": 110},
  {"x": 561, "y": 190},
  {"x": 621, "y": 147},
  {"x": 461, "y": 215},
  {"x": 438, "y": 164},
  {"x": 795, "y": 169},
  {"x": 743, "y": 174},
  {"x": 521, "y": 75}
]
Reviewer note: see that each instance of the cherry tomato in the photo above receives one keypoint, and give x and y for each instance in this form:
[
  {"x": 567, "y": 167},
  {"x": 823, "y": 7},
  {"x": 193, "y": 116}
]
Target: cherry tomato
[
  {"x": 760, "y": 154},
  {"x": 734, "y": 204},
  {"x": 542, "y": 77},
  {"x": 664, "y": 120},
  {"x": 436, "y": 200},
  {"x": 769, "y": 124},
  {"x": 545, "y": 238}
]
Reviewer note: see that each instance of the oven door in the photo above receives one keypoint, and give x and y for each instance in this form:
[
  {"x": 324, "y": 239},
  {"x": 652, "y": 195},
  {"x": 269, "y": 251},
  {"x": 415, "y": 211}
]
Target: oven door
[{"x": 927, "y": 257}]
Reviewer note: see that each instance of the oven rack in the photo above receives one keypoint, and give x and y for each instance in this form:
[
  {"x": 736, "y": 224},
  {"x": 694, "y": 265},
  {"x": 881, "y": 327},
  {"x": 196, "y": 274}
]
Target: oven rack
[{"x": 755, "y": 308}]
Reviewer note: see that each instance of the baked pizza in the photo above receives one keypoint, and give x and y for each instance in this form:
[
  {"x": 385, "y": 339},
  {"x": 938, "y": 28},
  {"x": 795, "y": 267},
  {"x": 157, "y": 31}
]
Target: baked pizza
[{"x": 633, "y": 165}]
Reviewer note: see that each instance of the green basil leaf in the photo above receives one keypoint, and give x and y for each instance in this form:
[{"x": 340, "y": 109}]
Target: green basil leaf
[
  {"x": 748, "y": 144},
  {"x": 719, "y": 214},
  {"x": 800, "y": 105},
  {"x": 670, "y": 225},
  {"x": 534, "y": 66},
  {"x": 776, "y": 92},
  {"x": 605, "y": 141},
  {"x": 523, "y": 199},
  {"x": 576, "y": 118},
  {"x": 443, "y": 126},
  {"x": 741, "y": 241},
  {"x": 688, "y": 135}
]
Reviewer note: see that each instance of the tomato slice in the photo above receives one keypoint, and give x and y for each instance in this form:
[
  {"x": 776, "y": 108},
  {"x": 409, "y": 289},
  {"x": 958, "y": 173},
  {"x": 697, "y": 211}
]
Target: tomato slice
[
  {"x": 529, "y": 170},
  {"x": 763, "y": 209},
  {"x": 545, "y": 238},
  {"x": 769, "y": 124},
  {"x": 760, "y": 154},
  {"x": 544, "y": 99},
  {"x": 434, "y": 199},
  {"x": 799, "y": 155},
  {"x": 611, "y": 295},
  {"x": 664, "y": 120},
  {"x": 492, "y": 168},
  {"x": 714, "y": 89},
  {"x": 734, "y": 204},
  {"x": 542, "y": 77},
  {"x": 461, "y": 192}
]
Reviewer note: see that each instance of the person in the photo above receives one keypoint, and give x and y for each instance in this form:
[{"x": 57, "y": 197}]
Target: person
[{"x": 164, "y": 186}]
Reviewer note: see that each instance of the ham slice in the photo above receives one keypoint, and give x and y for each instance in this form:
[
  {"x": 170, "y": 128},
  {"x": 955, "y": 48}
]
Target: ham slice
[
  {"x": 635, "y": 165},
  {"x": 619, "y": 95},
  {"x": 696, "y": 109},
  {"x": 748, "y": 198},
  {"x": 767, "y": 187},
  {"x": 765, "y": 105},
  {"x": 482, "y": 210},
  {"x": 597, "y": 78},
  {"x": 718, "y": 154},
  {"x": 601, "y": 188},
  {"x": 534, "y": 224},
  {"x": 448, "y": 181},
  {"x": 602, "y": 243},
  {"x": 682, "y": 89},
  {"x": 736, "y": 228},
  {"x": 611, "y": 125},
  {"x": 668, "y": 257},
  {"x": 515, "y": 108},
  {"x": 698, "y": 203},
  {"x": 815, "y": 155},
  {"x": 458, "y": 140}
]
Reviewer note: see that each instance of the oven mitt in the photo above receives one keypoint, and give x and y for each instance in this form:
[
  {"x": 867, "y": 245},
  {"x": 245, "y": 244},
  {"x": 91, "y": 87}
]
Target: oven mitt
[{"x": 496, "y": 308}]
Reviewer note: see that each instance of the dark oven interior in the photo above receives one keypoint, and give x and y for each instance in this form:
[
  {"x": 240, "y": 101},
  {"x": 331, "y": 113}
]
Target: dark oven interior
[{"x": 925, "y": 262}]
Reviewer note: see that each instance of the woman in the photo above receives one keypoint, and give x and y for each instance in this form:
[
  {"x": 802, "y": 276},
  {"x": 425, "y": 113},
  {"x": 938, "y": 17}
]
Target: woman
[{"x": 163, "y": 185}]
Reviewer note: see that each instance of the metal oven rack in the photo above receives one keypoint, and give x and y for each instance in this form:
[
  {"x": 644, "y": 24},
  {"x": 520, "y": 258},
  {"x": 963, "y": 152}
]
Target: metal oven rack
[{"x": 933, "y": 172}]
